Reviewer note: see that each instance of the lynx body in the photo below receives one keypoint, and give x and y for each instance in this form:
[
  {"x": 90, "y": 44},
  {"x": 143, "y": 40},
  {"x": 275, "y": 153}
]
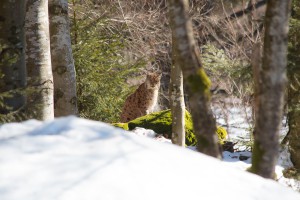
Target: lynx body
[{"x": 143, "y": 100}]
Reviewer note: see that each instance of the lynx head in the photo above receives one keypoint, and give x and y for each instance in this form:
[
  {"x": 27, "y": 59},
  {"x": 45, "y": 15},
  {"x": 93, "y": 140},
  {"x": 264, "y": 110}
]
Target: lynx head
[{"x": 153, "y": 80}]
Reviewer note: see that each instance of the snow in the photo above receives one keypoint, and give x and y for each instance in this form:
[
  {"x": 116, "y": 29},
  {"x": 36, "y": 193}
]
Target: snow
[
  {"x": 75, "y": 159},
  {"x": 237, "y": 118}
]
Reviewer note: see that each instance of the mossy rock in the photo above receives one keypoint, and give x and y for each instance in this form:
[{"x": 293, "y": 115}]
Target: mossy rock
[
  {"x": 161, "y": 123},
  {"x": 121, "y": 125},
  {"x": 222, "y": 134}
]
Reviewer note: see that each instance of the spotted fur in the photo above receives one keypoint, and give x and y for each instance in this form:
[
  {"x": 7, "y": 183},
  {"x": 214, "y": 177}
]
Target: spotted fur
[{"x": 143, "y": 100}]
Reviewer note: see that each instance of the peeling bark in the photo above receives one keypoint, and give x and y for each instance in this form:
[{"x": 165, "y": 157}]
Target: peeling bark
[
  {"x": 38, "y": 60},
  {"x": 196, "y": 80},
  {"x": 271, "y": 91},
  {"x": 177, "y": 103},
  {"x": 65, "y": 100}
]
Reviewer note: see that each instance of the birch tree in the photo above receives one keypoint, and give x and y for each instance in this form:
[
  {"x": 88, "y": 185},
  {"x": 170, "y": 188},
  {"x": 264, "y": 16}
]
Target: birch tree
[
  {"x": 271, "y": 92},
  {"x": 12, "y": 56},
  {"x": 38, "y": 60},
  {"x": 195, "y": 78},
  {"x": 65, "y": 101},
  {"x": 177, "y": 102}
]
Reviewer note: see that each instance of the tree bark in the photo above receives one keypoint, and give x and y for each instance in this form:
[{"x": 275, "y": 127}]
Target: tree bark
[
  {"x": 12, "y": 55},
  {"x": 38, "y": 60},
  {"x": 177, "y": 102},
  {"x": 198, "y": 84},
  {"x": 65, "y": 100},
  {"x": 294, "y": 89},
  {"x": 294, "y": 117},
  {"x": 256, "y": 70},
  {"x": 271, "y": 91}
]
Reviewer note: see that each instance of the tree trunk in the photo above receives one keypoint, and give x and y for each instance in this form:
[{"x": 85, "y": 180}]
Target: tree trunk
[
  {"x": 12, "y": 56},
  {"x": 256, "y": 69},
  {"x": 294, "y": 117},
  {"x": 271, "y": 91},
  {"x": 294, "y": 88},
  {"x": 65, "y": 101},
  {"x": 38, "y": 60},
  {"x": 198, "y": 84},
  {"x": 177, "y": 103}
]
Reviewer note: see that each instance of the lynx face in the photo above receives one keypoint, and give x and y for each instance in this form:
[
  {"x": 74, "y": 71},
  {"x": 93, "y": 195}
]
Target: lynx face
[{"x": 152, "y": 80}]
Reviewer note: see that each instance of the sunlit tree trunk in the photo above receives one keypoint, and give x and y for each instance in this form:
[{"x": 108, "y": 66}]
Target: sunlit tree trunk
[
  {"x": 38, "y": 60},
  {"x": 195, "y": 78},
  {"x": 177, "y": 103},
  {"x": 12, "y": 56},
  {"x": 65, "y": 101},
  {"x": 271, "y": 91}
]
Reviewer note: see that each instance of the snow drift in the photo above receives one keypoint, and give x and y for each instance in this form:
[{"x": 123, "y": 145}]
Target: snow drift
[{"x": 76, "y": 159}]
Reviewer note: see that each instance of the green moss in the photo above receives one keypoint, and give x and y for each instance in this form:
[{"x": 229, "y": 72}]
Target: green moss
[
  {"x": 204, "y": 143},
  {"x": 199, "y": 82},
  {"x": 121, "y": 125},
  {"x": 257, "y": 155},
  {"x": 161, "y": 123},
  {"x": 222, "y": 134}
]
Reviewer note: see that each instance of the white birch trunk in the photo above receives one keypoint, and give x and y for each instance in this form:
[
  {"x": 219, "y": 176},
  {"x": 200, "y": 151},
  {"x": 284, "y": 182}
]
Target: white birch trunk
[
  {"x": 65, "y": 101},
  {"x": 177, "y": 102},
  {"x": 38, "y": 60}
]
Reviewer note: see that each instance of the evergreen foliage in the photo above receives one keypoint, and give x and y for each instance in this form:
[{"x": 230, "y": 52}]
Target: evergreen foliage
[
  {"x": 101, "y": 67},
  {"x": 7, "y": 113},
  {"x": 294, "y": 87},
  {"x": 220, "y": 67}
]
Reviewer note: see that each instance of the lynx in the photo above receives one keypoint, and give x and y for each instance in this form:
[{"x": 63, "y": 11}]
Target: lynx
[{"x": 143, "y": 100}]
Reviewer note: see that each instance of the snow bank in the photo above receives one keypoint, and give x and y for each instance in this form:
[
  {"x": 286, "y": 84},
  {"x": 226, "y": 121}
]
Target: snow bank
[{"x": 76, "y": 159}]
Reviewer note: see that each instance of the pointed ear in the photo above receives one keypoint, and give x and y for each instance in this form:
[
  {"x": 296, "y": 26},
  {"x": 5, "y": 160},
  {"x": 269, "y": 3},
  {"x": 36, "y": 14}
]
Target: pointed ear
[{"x": 159, "y": 74}]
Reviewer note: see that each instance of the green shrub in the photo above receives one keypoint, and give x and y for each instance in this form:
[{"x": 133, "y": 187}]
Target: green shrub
[
  {"x": 101, "y": 67},
  {"x": 220, "y": 67}
]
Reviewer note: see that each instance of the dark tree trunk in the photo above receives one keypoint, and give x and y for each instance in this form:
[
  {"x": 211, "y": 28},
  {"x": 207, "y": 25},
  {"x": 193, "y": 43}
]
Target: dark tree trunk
[
  {"x": 195, "y": 78},
  {"x": 294, "y": 89},
  {"x": 271, "y": 91},
  {"x": 294, "y": 117}
]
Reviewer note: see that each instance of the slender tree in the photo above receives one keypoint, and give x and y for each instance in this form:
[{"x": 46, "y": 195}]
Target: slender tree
[
  {"x": 12, "y": 56},
  {"x": 65, "y": 101},
  {"x": 271, "y": 91},
  {"x": 177, "y": 102},
  {"x": 38, "y": 60},
  {"x": 195, "y": 78}
]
